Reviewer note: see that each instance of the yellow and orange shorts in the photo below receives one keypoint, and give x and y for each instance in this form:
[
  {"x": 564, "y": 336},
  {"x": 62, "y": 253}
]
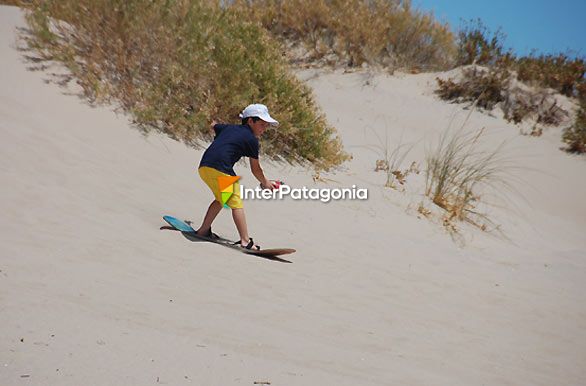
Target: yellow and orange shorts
[{"x": 210, "y": 177}]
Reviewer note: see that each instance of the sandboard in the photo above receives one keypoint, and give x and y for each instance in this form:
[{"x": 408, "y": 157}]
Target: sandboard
[{"x": 190, "y": 232}]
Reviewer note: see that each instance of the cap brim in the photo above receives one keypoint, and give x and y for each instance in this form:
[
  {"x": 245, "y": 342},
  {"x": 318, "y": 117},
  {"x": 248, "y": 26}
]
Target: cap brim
[{"x": 267, "y": 118}]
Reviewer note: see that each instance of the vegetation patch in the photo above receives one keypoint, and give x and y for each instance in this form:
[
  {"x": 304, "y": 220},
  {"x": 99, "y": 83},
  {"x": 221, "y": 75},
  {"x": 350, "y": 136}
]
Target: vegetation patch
[
  {"x": 176, "y": 65},
  {"x": 390, "y": 33},
  {"x": 478, "y": 45},
  {"x": 492, "y": 86},
  {"x": 523, "y": 87},
  {"x": 559, "y": 72},
  {"x": 575, "y": 135},
  {"x": 483, "y": 86}
]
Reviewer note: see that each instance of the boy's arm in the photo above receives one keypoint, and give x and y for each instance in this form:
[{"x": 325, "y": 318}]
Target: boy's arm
[{"x": 260, "y": 176}]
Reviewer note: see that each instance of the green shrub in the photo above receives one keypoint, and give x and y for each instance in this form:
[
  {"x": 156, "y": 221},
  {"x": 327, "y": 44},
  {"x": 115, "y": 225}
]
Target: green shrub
[
  {"x": 353, "y": 32},
  {"x": 178, "y": 64}
]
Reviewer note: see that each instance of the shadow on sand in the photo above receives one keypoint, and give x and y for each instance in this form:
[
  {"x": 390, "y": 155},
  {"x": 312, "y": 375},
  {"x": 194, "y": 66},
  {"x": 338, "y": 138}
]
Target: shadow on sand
[{"x": 189, "y": 236}]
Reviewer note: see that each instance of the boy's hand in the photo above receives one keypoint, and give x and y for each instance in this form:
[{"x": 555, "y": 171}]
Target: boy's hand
[{"x": 268, "y": 184}]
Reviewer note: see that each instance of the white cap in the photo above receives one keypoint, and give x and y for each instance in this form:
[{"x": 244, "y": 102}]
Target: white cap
[{"x": 258, "y": 110}]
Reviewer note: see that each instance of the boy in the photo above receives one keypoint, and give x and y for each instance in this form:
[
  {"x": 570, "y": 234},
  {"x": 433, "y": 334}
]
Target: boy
[{"x": 231, "y": 143}]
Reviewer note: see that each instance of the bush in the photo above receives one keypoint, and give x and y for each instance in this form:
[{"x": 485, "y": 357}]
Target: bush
[
  {"x": 483, "y": 86},
  {"x": 541, "y": 106},
  {"x": 494, "y": 86},
  {"x": 176, "y": 65},
  {"x": 477, "y": 45},
  {"x": 556, "y": 71},
  {"x": 575, "y": 136},
  {"x": 11, "y": 2},
  {"x": 353, "y": 32}
]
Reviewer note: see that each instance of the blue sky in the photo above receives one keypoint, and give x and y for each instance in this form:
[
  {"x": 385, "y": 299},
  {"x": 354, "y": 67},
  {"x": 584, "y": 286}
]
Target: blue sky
[{"x": 551, "y": 26}]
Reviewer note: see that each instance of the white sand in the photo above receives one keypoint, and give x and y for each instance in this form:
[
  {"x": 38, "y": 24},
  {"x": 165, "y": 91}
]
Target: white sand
[{"x": 93, "y": 293}]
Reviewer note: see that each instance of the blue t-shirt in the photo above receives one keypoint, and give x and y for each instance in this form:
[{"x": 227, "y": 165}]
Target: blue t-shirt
[{"x": 231, "y": 143}]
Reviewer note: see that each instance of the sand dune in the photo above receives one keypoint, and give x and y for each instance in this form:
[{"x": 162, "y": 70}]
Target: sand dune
[{"x": 92, "y": 292}]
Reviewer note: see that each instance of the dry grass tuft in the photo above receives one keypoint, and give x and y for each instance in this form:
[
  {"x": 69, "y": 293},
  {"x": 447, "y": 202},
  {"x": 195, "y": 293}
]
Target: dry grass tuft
[
  {"x": 391, "y": 161},
  {"x": 458, "y": 171}
]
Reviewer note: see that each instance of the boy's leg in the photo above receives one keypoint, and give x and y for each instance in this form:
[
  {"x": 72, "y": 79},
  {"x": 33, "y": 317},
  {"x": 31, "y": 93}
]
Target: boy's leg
[
  {"x": 213, "y": 210},
  {"x": 240, "y": 221}
]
